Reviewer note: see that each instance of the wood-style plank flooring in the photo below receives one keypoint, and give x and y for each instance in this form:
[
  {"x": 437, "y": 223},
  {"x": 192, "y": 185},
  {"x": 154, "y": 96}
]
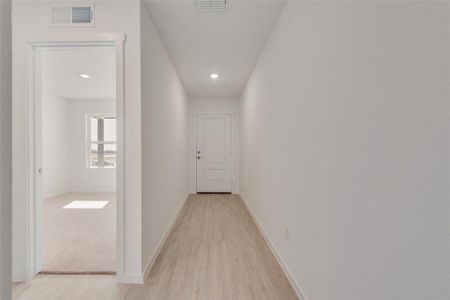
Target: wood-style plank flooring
[{"x": 214, "y": 252}]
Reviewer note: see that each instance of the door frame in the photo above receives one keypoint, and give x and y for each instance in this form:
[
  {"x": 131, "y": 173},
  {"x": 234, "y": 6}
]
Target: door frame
[
  {"x": 33, "y": 162},
  {"x": 233, "y": 150}
]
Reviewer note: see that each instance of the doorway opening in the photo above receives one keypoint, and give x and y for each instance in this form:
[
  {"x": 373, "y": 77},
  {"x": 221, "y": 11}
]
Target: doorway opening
[{"x": 76, "y": 159}]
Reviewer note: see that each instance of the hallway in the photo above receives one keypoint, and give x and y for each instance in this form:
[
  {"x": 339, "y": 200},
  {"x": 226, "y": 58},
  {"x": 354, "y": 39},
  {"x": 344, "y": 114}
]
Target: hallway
[
  {"x": 214, "y": 251},
  {"x": 257, "y": 149}
]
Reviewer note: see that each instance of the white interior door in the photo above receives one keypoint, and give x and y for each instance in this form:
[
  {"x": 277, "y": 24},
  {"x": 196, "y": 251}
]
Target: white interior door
[{"x": 214, "y": 153}]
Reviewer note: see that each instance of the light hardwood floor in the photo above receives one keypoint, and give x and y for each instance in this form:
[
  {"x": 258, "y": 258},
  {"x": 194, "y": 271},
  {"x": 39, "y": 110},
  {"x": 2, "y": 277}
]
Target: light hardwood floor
[{"x": 214, "y": 252}]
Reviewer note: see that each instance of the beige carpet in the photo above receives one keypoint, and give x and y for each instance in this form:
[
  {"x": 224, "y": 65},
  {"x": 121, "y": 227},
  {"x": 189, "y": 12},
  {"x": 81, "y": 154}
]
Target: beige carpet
[{"x": 79, "y": 240}]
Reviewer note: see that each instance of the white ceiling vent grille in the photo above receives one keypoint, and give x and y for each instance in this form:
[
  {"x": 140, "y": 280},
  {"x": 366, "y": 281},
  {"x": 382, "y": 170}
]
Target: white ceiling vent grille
[
  {"x": 211, "y": 5},
  {"x": 72, "y": 16},
  {"x": 81, "y": 15}
]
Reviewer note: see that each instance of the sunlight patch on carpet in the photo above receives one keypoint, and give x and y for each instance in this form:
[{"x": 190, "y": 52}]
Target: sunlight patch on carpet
[{"x": 86, "y": 204}]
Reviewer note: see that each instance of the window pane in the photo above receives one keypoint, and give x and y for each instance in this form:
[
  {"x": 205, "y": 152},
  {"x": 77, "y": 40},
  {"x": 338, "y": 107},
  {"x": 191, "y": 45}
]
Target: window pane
[
  {"x": 94, "y": 156},
  {"x": 102, "y": 149},
  {"x": 110, "y": 156},
  {"x": 94, "y": 127},
  {"x": 103, "y": 156},
  {"x": 110, "y": 129}
]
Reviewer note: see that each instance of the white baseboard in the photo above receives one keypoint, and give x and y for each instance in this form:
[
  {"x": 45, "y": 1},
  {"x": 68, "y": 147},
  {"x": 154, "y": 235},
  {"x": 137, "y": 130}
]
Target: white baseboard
[
  {"x": 130, "y": 278},
  {"x": 152, "y": 259},
  {"x": 298, "y": 290},
  {"x": 19, "y": 277}
]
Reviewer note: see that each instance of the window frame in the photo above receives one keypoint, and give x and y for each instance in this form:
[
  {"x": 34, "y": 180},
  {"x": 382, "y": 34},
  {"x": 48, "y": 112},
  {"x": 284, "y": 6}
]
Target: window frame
[{"x": 89, "y": 141}]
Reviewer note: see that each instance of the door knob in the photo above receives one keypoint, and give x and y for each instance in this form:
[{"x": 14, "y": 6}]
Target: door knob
[{"x": 198, "y": 157}]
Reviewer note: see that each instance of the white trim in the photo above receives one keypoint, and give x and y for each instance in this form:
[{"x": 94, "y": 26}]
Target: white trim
[
  {"x": 33, "y": 212},
  {"x": 233, "y": 150},
  {"x": 131, "y": 278},
  {"x": 80, "y": 39},
  {"x": 152, "y": 259},
  {"x": 298, "y": 290},
  {"x": 120, "y": 167}
]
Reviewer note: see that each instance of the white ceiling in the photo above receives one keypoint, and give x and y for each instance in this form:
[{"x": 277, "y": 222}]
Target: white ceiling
[
  {"x": 62, "y": 68},
  {"x": 228, "y": 43}
]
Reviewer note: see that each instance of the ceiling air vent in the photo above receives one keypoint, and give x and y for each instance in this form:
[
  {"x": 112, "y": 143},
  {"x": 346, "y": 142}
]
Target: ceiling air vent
[
  {"x": 211, "y": 5},
  {"x": 82, "y": 15},
  {"x": 72, "y": 16}
]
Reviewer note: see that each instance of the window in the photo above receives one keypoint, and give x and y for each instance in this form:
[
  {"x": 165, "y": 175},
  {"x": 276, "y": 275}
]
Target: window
[{"x": 102, "y": 145}]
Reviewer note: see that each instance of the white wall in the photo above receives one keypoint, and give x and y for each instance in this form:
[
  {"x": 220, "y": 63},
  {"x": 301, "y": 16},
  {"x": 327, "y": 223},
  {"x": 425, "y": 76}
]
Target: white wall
[
  {"x": 82, "y": 178},
  {"x": 55, "y": 144},
  {"x": 164, "y": 139},
  {"x": 64, "y": 146},
  {"x": 31, "y": 23},
  {"x": 213, "y": 106},
  {"x": 5, "y": 150},
  {"x": 344, "y": 131}
]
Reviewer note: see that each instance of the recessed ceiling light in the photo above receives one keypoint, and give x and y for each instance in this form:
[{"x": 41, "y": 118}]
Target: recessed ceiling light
[
  {"x": 85, "y": 76},
  {"x": 214, "y": 76}
]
